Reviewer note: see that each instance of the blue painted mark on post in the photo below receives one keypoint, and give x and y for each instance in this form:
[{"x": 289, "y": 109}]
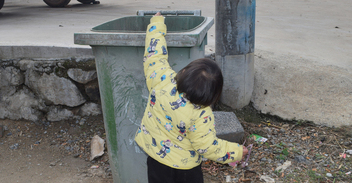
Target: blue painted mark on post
[{"x": 236, "y": 22}]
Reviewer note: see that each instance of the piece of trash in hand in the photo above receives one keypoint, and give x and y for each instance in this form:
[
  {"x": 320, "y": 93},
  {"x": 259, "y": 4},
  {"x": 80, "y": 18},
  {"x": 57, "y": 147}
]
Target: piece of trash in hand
[
  {"x": 234, "y": 164},
  {"x": 259, "y": 139},
  {"x": 97, "y": 147}
]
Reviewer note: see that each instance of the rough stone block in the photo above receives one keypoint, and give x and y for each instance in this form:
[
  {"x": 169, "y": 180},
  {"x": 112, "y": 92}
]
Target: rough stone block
[{"x": 228, "y": 127}]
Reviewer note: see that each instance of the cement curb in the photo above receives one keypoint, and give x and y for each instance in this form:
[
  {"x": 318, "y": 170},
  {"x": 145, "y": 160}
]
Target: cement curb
[{"x": 14, "y": 52}]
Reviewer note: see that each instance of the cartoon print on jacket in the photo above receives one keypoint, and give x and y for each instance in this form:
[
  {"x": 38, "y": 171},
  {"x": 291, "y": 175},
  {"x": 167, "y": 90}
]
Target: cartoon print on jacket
[
  {"x": 153, "y": 142},
  {"x": 193, "y": 153},
  {"x": 202, "y": 151},
  {"x": 153, "y": 75},
  {"x": 139, "y": 130},
  {"x": 152, "y": 28},
  {"x": 147, "y": 146},
  {"x": 145, "y": 131},
  {"x": 184, "y": 161},
  {"x": 168, "y": 126},
  {"x": 192, "y": 128},
  {"x": 203, "y": 111},
  {"x": 206, "y": 119},
  {"x": 163, "y": 60},
  {"x": 180, "y": 138},
  {"x": 164, "y": 50},
  {"x": 181, "y": 102},
  {"x": 150, "y": 114},
  {"x": 151, "y": 64},
  {"x": 173, "y": 81},
  {"x": 206, "y": 133},
  {"x": 151, "y": 49},
  {"x": 226, "y": 157},
  {"x": 152, "y": 98},
  {"x": 158, "y": 120},
  {"x": 172, "y": 77},
  {"x": 199, "y": 159},
  {"x": 165, "y": 148},
  {"x": 173, "y": 91},
  {"x": 163, "y": 77},
  {"x": 142, "y": 128},
  {"x": 168, "y": 118},
  {"x": 163, "y": 107},
  {"x": 182, "y": 128},
  {"x": 178, "y": 147}
]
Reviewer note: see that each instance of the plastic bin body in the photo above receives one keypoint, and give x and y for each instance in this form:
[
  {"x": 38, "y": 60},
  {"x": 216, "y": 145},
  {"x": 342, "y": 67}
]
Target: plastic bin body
[{"x": 118, "y": 47}]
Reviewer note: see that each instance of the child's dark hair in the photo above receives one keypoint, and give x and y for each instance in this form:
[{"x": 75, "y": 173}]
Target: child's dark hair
[{"x": 201, "y": 81}]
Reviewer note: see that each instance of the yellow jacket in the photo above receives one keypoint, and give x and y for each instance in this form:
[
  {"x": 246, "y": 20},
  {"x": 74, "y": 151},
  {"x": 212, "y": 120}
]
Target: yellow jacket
[{"x": 174, "y": 131}]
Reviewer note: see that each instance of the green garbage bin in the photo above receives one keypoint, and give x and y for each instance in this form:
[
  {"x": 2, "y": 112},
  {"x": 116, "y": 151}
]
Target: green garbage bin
[{"x": 118, "y": 47}]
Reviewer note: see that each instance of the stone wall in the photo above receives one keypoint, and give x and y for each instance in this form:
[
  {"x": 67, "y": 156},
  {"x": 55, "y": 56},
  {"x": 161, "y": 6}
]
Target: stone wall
[
  {"x": 48, "y": 89},
  {"x": 60, "y": 89}
]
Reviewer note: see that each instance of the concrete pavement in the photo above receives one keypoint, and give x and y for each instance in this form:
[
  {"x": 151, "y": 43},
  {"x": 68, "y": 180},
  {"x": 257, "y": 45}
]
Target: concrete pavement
[
  {"x": 315, "y": 29},
  {"x": 306, "y": 39}
]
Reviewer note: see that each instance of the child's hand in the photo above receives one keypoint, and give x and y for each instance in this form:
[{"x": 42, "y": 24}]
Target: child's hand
[
  {"x": 243, "y": 161},
  {"x": 158, "y": 14},
  {"x": 245, "y": 152}
]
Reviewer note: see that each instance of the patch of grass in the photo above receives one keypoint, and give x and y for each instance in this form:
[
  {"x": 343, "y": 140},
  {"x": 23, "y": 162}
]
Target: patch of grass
[
  {"x": 295, "y": 150},
  {"x": 267, "y": 145},
  {"x": 319, "y": 156},
  {"x": 285, "y": 152},
  {"x": 314, "y": 177},
  {"x": 278, "y": 172},
  {"x": 282, "y": 153},
  {"x": 281, "y": 157}
]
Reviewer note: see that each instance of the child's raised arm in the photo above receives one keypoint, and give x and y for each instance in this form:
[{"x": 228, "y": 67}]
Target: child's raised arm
[{"x": 155, "y": 55}]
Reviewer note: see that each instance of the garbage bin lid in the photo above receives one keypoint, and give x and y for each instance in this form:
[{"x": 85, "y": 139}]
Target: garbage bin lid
[{"x": 183, "y": 31}]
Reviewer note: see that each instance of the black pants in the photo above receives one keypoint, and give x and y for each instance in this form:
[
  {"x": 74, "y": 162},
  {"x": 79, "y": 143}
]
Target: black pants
[{"x": 159, "y": 173}]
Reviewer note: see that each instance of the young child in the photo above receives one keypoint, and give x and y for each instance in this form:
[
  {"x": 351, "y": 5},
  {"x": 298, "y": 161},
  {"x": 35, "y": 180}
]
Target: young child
[{"x": 177, "y": 129}]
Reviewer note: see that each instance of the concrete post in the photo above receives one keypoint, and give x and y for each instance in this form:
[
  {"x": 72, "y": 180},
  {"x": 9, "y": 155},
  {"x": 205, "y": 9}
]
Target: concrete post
[{"x": 234, "y": 49}]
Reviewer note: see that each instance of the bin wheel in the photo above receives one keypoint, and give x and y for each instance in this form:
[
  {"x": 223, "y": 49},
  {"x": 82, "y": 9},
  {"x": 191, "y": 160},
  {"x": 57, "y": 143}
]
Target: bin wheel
[
  {"x": 89, "y": 1},
  {"x": 57, "y": 3},
  {"x": 1, "y": 3}
]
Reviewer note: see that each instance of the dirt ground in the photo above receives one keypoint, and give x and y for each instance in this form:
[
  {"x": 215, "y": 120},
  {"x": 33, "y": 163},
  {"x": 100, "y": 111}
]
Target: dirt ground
[
  {"x": 51, "y": 152},
  {"x": 59, "y": 152}
]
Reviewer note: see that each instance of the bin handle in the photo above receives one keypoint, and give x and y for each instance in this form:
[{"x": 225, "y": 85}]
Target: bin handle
[{"x": 175, "y": 12}]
